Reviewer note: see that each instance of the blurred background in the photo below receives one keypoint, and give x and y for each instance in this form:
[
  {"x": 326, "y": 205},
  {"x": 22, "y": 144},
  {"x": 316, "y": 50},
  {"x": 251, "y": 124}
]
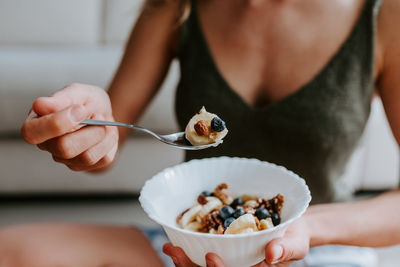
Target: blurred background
[{"x": 47, "y": 44}]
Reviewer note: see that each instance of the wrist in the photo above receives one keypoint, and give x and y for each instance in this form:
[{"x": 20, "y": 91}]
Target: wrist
[{"x": 314, "y": 220}]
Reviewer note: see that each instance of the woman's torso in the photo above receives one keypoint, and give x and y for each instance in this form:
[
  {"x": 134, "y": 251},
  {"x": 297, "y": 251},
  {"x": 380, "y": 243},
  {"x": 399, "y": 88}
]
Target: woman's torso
[{"x": 292, "y": 82}]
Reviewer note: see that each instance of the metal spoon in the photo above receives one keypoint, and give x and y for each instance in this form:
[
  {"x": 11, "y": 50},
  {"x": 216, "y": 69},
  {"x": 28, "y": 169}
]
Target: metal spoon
[{"x": 176, "y": 139}]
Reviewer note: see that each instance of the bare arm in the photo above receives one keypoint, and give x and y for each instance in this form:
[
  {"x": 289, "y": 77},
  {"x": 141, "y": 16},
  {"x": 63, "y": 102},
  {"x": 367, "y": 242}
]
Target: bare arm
[
  {"x": 147, "y": 58},
  {"x": 373, "y": 223},
  {"x": 144, "y": 65}
]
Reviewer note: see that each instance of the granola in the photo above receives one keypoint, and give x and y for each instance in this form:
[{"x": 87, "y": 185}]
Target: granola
[{"x": 218, "y": 212}]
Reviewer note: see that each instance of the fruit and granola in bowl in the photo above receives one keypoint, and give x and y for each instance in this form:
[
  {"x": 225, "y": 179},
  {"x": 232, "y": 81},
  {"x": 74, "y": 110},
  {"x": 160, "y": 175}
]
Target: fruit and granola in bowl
[
  {"x": 218, "y": 212},
  {"x": 175, "y": 189},
  {"x": 205, "y": 128}
]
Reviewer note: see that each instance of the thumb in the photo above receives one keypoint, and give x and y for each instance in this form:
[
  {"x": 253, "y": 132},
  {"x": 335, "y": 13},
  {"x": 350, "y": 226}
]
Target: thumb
[{"x": 286, "y": 249}]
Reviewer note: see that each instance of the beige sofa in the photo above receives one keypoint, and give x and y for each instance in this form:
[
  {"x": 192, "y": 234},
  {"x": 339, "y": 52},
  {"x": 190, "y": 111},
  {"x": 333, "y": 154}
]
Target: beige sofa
[{"x": 46, "y": 44}]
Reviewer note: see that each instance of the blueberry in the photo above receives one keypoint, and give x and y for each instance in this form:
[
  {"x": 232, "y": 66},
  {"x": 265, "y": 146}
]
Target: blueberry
[
  {"x": 239, "y": 212},
  {"x": 217, "y": 124},
  {"x": 262, "y": 213},
  {"x": 226, "y": 211},
  {"x": 207, "y": 193},
  {"x": 228, "y": 222},
  {"x": 276, "y": 219},
  {"x": 236, "y": 202}
]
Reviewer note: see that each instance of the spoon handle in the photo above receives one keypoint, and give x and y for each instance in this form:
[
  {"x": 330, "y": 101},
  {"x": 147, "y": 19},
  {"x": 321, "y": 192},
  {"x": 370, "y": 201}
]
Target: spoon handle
[
  {"x": 106, "y": 123},
  {"x": 120, "y": 124}
]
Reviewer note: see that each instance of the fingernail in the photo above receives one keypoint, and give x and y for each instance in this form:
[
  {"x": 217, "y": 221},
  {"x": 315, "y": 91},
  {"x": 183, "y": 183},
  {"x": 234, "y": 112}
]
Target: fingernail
[
  {"x": 277, "y": 251},
  {"x": 77, "y": 113}
]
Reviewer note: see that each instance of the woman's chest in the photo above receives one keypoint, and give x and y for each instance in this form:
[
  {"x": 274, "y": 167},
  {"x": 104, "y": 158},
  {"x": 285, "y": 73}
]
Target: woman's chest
[{"x": 267, "y": 58}]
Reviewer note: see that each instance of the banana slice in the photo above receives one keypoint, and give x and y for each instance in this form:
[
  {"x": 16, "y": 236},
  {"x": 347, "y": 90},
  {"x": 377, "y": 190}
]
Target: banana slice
[
  {"x": 213, "y": 231},
  {"x": 193, "y": 226},
  {"x": 265, "y": 224},
  {"x": 190, "y": 215},
  {"x": 212, "y": 204},
  {"x": 241, "y": 224},
  {"x": 207, "y": 138}
]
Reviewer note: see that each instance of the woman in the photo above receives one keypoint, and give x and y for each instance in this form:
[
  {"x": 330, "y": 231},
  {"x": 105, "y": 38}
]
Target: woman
[{"x": 296, "y": 77}]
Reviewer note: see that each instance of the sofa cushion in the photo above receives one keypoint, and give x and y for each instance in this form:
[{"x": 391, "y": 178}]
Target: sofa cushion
[
  {"x": 50, "y": 21},
  {"x": 382, "y": 161},
  {"x": 138, "y": 161}
]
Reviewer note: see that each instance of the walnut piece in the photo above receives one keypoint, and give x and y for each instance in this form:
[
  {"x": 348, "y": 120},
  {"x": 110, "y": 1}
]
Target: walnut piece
[
  {"x": 212, "y": 221},
  {"x": 220, "y": 192},
  {"x": 202, "y": 128},
  {"x": 202, "y": 200}
]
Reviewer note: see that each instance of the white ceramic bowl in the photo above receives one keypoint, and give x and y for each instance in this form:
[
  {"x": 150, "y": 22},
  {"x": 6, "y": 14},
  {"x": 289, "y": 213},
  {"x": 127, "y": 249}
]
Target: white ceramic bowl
[{"x": 175, "y": 189}]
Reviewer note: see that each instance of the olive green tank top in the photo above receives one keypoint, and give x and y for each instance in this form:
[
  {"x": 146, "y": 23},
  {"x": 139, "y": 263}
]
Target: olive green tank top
[{"x": 311, "y": 132}]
